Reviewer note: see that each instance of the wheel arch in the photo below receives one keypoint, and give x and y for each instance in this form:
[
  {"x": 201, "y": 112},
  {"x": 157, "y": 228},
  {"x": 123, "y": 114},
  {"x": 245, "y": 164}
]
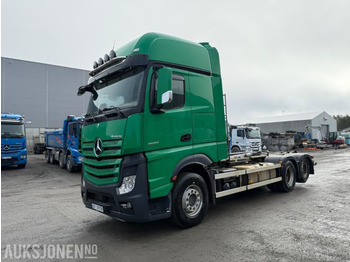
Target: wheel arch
[{"x": 197, "y": 164}]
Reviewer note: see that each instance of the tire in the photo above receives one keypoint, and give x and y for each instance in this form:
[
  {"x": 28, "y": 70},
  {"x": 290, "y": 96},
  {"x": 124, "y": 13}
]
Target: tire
[
  {"x": 47, "y": 156},
  {"x": 70, "y": 167},
  {"x": 304, "y": 171},
  {"x": 21, "y": 166},
  {"x": 190, "y": 200},
  {"x": 235, "y": 149},
  {"x": 61, "y": 160},
  {"x": 289, "y": 176},
  {"x": 52, "y": 157}
]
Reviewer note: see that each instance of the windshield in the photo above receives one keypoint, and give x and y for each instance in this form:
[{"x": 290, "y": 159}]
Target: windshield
[
  {"x": 118, "y": 92},
  {"x": 12, "y": 130},
  {"x": 253, "y": 133}
]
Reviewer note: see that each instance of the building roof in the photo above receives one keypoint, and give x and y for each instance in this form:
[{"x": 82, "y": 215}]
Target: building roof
[{"x": 285, "y": 118}]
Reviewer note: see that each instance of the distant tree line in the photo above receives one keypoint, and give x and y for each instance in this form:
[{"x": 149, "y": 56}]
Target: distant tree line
[{"x": 342, "y": 121}]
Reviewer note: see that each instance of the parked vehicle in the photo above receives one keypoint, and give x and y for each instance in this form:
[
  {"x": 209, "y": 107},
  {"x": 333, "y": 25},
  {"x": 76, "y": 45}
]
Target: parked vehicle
[
  {"x": 245, "y": 139},
  {"x": 334, "y": 138},
  {"x": 154, "y": 137},
  {"x": 39, "y": 144},
  {"x": 63, "y": 146},
  {"x": 13, "y": 140}
]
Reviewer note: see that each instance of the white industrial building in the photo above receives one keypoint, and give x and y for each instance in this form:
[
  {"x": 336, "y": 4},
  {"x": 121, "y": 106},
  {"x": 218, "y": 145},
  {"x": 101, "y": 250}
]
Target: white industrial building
[{"x": 313, "y": 125}]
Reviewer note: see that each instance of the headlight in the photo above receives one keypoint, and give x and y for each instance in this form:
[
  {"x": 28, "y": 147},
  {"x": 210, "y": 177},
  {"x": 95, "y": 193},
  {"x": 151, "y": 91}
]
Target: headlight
[
  {"x": 127, "y": 185},
  {"x": 83, "y": 183},
  {"x": 23, "y": 156},
  {"x": 80, "y": 158}
]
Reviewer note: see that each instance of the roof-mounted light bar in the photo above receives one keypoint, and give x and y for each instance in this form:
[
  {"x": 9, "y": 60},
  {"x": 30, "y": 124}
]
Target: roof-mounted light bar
[{"x": 107, "y": 61}]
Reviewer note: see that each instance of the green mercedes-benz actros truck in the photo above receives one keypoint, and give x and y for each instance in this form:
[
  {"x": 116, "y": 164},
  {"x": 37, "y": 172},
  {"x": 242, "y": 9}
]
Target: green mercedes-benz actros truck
[{"x": 154, "y": 137}]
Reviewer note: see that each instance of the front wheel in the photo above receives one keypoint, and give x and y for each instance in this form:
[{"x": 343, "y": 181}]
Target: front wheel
[
  {"x": 70, "y": 166},
  {"x": 190, "y": 200}
]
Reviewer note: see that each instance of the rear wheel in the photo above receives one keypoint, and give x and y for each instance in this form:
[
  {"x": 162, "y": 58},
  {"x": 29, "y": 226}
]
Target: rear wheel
[
  {"x": 47, "y": 156},
  {"x": 289, "y": 176},
  {"x": 190, "y": 200},
  {"x": 52, "y": 157},
  {"x": 61, "y": 161},
  {"x": 304, "y": 171}
]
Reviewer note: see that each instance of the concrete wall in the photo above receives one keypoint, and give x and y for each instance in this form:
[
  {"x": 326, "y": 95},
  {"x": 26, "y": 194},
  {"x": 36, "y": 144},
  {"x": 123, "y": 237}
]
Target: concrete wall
[{"x": 44, "y": 93}]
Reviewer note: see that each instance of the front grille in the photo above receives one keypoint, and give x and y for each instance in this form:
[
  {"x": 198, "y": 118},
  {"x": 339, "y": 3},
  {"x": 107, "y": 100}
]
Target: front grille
[
  {"x": 103, "y": 169},
  {"x": 11, "y": 149}
]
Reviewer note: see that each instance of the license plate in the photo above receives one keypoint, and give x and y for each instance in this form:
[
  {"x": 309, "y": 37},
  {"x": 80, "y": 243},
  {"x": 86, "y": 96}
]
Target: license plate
[
  {"x": 97, "y": 207},
  {"x": 6, "y": 157}
]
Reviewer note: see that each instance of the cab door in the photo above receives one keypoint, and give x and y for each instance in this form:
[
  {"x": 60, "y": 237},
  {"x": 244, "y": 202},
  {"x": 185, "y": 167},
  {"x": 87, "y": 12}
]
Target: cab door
[
  {"x": 171, "y": 125},
  {"x": 167, "y": 131},
  {"x": 73, "y": 140}
]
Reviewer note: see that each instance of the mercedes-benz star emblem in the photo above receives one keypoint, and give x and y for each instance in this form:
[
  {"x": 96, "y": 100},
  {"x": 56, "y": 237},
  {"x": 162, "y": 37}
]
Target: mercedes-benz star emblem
[
  {"x": 6, "y": 147},
  {"x": 98, "y": 147}
]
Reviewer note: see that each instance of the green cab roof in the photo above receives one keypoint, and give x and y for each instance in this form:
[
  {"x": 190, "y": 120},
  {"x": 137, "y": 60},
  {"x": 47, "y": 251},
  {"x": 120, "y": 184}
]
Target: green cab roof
[{"x": 169, "y": 49}]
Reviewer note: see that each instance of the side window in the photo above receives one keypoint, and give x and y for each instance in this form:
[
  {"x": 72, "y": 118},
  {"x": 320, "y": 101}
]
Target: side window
[
  {"x": 240, "y": 133},
  {"x": 72, "y": 129},
  {"x": 178, "y": 88}
]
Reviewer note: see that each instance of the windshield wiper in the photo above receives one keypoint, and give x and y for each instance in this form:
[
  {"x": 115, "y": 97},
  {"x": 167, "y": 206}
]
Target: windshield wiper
[
  {"x": 88, "y": 117},
  {"x": 115, "y": 109}
]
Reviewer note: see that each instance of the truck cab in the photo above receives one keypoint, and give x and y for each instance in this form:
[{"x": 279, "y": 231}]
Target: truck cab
[
  {"x": 13, "y": 141},
  {"x": 245, "y": 139},
  {"x": 64, "y": 145}
]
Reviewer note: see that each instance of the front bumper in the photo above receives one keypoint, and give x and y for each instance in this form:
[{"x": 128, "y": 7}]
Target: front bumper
[
  {"x": 135, "y": 206},
  {"x": 18, "y": 158}
]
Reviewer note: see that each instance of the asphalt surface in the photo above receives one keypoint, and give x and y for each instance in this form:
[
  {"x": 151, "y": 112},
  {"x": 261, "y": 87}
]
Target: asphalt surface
[{"x": 41, "y": 205}]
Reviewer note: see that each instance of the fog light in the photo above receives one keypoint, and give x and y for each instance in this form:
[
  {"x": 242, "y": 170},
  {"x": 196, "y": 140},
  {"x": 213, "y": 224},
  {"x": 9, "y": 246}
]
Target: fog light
[{"x": 127, "y": 185}]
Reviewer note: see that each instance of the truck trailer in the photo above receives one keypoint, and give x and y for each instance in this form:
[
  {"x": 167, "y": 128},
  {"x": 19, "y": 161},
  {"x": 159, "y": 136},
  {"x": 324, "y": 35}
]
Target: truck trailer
[
  {"x": 13, "y": 140},
  {"x": 63, "y": 146},
  {"x": 154, "y": 137}
]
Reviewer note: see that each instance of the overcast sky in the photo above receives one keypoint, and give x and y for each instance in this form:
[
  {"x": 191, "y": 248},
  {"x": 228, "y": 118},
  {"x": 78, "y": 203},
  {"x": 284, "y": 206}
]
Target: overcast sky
[{"x": 281, "y": 56}]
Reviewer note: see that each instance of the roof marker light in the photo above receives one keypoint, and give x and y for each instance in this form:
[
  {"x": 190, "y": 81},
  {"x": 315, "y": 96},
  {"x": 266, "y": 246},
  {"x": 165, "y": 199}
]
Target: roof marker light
[
  {"x": 106, "y": 58},
  {"x": 95, "y": 65},
  {"x": 112, "y": 54},
  {"x": 100, "y": 61}
]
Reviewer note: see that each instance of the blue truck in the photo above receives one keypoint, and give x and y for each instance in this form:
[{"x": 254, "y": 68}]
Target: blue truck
[
  {"x": 63, "y": 146},
  {"x": 13, "y": 140}
]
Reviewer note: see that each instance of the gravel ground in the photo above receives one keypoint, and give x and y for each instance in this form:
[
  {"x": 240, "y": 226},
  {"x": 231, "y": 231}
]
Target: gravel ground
[{"x": 41, "y": 206}]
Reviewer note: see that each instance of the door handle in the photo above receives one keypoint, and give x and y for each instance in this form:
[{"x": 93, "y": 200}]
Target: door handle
[{"x": 186, "y": 138}]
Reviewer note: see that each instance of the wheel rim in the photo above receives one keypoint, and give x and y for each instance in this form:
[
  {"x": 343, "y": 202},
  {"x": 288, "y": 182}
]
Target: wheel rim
[
  {"x": 192, "y": 200},
  {"x": 290, "y": 176}
]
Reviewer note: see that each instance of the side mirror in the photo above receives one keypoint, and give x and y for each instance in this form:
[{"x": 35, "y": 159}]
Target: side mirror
[
  {"x": 164, "y": 93},
  {"x": 81, "y": 90},
  {"x": 167, "y": 97},
  {"x": 88, "y": 88}
]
